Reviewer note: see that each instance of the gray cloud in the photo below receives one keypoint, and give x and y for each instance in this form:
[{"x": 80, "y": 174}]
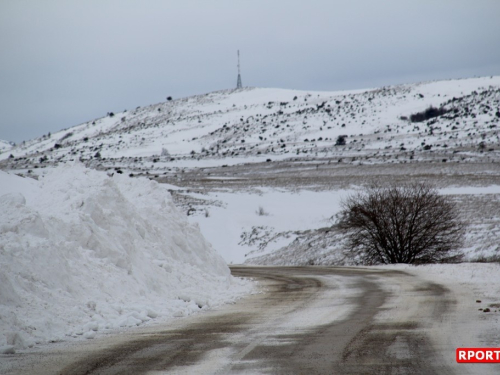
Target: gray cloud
[{"x": 66, "y": 62}]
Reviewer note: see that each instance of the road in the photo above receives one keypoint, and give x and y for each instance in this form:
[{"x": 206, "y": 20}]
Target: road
[{"x": 305, "y": 320}]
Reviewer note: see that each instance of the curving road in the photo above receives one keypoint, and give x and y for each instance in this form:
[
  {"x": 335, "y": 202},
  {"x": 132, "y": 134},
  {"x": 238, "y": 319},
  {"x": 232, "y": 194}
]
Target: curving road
[{"x": 306, "y": 320}]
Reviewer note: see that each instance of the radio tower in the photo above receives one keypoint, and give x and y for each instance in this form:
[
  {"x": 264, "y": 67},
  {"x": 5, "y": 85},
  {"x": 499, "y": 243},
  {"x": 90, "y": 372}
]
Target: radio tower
[{"x": 238, "y": 82}]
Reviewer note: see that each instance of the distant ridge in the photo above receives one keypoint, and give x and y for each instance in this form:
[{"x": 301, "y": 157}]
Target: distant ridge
[
  {"x": 258, "y": 124},
  {"x": 5, "y": 145}
]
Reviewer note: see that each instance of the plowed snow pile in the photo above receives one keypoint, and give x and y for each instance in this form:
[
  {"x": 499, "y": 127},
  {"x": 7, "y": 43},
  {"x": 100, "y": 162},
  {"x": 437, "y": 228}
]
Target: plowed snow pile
[{"x": 82, "y": 252}]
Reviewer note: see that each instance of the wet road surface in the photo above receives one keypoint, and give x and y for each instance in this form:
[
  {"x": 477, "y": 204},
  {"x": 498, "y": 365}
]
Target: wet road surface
[{"x": 305, "y": 320}]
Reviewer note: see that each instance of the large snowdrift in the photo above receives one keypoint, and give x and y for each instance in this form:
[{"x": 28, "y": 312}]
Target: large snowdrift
[{"x": 81, "y": 251}]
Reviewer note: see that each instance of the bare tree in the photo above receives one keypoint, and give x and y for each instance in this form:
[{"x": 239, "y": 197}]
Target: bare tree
[{"x": 402, "y": 224}]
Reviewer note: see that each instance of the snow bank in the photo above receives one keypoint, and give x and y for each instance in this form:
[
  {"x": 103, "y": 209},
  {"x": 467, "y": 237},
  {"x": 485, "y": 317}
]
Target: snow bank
[{"x": 81, "y": 252}]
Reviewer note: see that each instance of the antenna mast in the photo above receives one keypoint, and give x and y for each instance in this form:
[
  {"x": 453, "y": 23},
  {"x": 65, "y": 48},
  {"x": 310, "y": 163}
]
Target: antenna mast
[{"x": 238, "y": 82}]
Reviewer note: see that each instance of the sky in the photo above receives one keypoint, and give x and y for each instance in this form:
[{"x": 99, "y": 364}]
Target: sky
[{"x": 65, "y": 62}]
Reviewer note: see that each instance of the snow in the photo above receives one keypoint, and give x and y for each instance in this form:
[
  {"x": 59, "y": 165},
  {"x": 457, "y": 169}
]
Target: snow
[
  {"x": 282, "y": 211},
  {"x": 291, "y": 220},
  {"x": 252, "y": 124},
  {"x": 82, "y": 252},
  {"x": 5, "y": 146},
  {"x": 476, "y": 288},
  {"x": 492, "y": 189}
]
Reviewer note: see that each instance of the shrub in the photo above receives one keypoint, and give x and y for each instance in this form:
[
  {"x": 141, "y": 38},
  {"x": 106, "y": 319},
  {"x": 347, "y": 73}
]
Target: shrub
[
  {"x": 340, "y": 140},
  {"x": 401, "y": 224},
  {"x": 65, "y": 136},
  {"x": 261, "y": 212},
  {"x": 429, "y": 113}
]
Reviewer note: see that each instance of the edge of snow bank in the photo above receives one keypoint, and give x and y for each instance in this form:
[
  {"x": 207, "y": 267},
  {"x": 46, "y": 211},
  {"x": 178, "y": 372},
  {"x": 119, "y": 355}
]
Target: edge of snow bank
[{"x": 82, "y": 252}]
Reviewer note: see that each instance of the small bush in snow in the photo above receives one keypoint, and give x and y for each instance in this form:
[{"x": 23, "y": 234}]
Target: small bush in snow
[
  {"x": 401, "y": 224},
  {"x": 340, "y": 140},
  {"x": 261, "y": 211},
  {"x": 65, "y": 136}
]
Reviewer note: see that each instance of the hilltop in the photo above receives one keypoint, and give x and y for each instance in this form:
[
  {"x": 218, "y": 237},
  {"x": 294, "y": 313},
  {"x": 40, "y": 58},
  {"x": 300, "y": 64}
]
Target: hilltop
[
  {"x": 5, "y": 146},
  {"x": 454, "y": 120}
]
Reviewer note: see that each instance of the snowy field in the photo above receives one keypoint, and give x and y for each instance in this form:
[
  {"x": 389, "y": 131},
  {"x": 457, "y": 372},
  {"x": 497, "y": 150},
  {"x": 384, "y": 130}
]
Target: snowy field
[
  {"x": 263, "y": 222},
  {"x": 83, "y": 253},
  {"x": 286, "y": 214},
  {"x": 249, "y": 176}
]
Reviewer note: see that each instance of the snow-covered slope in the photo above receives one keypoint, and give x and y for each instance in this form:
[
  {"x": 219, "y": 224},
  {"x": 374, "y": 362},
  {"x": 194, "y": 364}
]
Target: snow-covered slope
[
  {"x": 5, "y": 146},
  {"x": 82, "y": 252},
  {"x": 256, "y": 124},
  {"x": 186, "y": 142}
]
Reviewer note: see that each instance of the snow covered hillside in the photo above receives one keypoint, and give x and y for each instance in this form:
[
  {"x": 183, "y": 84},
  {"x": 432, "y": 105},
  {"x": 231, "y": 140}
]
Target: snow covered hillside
[
  {"x": 256, "y": 124},
  {"x": 295, "y": 154},
  {"x": 5, "y": 146},
  {"x": 82, "y": 252}
]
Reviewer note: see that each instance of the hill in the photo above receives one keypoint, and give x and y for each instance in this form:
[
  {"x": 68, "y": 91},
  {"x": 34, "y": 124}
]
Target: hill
[
  {"x": 443, "y": 120},
  {"x": 263, "y": 171},
  {"x": 5, "y": 146}
]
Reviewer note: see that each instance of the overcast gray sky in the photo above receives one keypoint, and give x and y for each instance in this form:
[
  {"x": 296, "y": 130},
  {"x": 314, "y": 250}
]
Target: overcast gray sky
[{"x": 63, "y": 62}]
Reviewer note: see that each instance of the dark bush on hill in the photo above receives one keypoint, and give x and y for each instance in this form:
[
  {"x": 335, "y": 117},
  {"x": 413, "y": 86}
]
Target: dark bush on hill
[
  {"x": 429, "y": 113},
  {"x": 341, "y": 140}
]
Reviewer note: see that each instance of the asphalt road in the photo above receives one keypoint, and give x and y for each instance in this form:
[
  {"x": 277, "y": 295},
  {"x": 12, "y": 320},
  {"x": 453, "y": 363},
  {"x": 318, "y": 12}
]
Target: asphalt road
[{"x": 305, "y": 320}]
